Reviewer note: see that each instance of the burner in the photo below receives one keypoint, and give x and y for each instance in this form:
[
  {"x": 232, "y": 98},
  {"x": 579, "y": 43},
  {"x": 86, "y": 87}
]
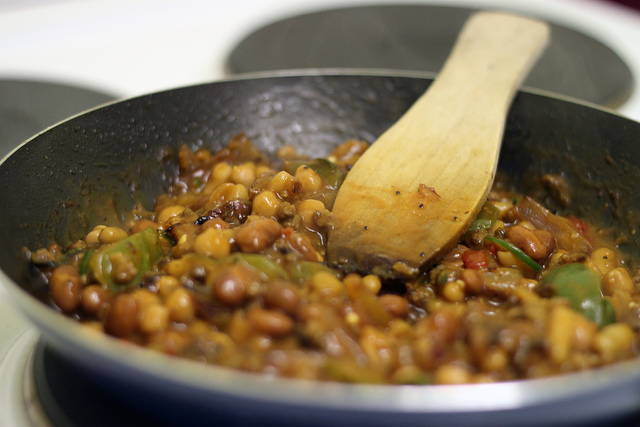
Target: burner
[
  {"x": 28, "y": 107},
  {"x": 69, "y": 398},
  {"x": 419, "y": 38}
]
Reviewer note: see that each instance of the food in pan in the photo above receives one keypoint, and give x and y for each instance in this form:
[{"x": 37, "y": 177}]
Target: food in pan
[{"x": 229, "y": 269}]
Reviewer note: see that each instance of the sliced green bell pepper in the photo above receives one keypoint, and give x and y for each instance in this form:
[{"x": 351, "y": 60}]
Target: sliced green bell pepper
[
  {"x": 143, "y": 249},
  {"x": 581, "y": 287}
]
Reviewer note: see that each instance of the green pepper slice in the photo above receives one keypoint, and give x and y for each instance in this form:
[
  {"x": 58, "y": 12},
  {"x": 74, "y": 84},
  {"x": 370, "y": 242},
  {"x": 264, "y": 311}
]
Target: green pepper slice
[
  {"x": 267, "y": 267},
  {"x": 517, "y": 252},
  {"x": 142, "y": 250},
  {"x": 581, "y": 287}
]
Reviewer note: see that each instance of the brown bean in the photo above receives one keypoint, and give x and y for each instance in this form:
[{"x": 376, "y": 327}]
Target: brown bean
[
  {"x": 473, "y": 282},
  {"x": 94, "y": 299},
  {"x": 258, "y": 234},
  {"x": 270, "y": 322},
  {"x": 282, "y": 296},
  {"x": 529, "y": 242},
  {"x": 122, "y": 316},
  {"x": 66, "y": 287},
  {"x": 229, "y": 287},
  {"x": 395, "y": 305}
]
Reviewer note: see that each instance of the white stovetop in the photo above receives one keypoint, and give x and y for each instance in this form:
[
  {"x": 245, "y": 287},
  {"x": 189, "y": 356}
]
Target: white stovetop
[{"x": 128, "y": 48}]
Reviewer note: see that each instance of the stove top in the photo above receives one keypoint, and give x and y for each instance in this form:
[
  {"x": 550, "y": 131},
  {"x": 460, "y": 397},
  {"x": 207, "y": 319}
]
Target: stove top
[{"x": 57, "y": 52}]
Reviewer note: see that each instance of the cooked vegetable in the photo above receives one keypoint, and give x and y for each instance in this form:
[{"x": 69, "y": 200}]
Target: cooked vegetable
[
  {"x": 230, "y": 271},
  {"x": 566, "y": 234},
  {"x": 517, "y": 252},
  {"x": 581, "y": 287},
  {"x": 123, "y": 264}
]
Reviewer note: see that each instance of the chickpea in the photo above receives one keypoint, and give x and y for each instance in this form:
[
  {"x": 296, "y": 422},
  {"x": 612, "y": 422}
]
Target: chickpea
[
  {"x": 244, "y": 174},
  {"x": 93, "y": 236},
  {"x": 169, "y": 212},
  {"x": 266, "y": 204},
  {"x": 154, "y": 318},
  {"x": 307, "y": 208},
  {"x": 257, "y": 234},
  {"x": 180, "y": 305},
  {"x": 284, "y": 185},
  {"x": 310, "y": 181},
  {"x": 372, "y": 283},
  {"x": 604, "y": 260},
  {"x": 111, "y": 235},
  {"x": 221, "y": 172},
  {"x": 166, "y": 285},
  {"x": 617, "y": 279},
  {"x": 270, "y": 322},
  {"x": 452, "y": 373},
  {"x": 66, "y": 287},
  {"x": 614, "y": 342},
  {"x": 326, "y": 283},
  {"x": 454, "y": 291},
  {"x": 213, "y": 243}
]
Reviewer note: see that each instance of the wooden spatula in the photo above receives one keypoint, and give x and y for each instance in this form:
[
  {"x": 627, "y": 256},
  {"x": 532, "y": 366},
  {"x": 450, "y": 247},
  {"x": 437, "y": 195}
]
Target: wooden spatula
[{"x": 417, "y": 189}]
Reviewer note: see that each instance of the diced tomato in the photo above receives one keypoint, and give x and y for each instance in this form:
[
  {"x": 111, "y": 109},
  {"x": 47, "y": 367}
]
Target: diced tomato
[
  {"x": 581, "y": 226},
  {"x": 475, "y": 259}
]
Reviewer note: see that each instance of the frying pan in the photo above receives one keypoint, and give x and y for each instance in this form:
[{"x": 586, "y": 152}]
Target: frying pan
[{"x": 89, "y": 168}]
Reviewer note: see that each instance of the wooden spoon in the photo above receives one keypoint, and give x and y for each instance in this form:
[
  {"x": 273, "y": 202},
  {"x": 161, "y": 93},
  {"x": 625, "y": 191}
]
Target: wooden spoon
[{"x": 417, "y": 189}]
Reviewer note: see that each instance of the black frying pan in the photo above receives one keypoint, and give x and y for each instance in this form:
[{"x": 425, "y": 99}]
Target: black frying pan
[{"x": 86, "y": 170}]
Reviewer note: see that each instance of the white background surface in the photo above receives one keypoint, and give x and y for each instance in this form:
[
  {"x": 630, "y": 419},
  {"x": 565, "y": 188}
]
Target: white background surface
[{"x": 132, "y": 47}]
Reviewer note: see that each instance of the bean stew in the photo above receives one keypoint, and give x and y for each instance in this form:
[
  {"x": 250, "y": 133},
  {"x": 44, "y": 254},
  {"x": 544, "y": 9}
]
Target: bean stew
[{"x": 229, "y": 269}]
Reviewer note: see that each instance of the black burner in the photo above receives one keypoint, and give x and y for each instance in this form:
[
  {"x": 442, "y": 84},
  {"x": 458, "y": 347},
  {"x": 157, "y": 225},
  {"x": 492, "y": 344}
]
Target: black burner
[{"x": 71, "y": 399}]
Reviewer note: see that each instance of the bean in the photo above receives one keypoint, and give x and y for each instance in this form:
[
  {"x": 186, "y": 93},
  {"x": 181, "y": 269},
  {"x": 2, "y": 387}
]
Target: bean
[
  {"x": 309, "y": 179},
  {"x": 258, "y": 234},
  {"x": 66, "y": 287},
  {"x": 169, "y": 212},
  {"x": 270, "y": 322},
  {"x": 243, "y": 174},
  {"x": 396, "y": 305},
  {"x": 282, "y": 296},
  {"x": 284, "y": 185},
  {"x": 122, "y": 316},
  {"x": 372, "y": 283},
  {"x": 94, "y": 299},
  {"x": 229, "y": 288},
  {"x": 154, "y": 318},
  {"x": 473, "y": 282},
  {"x": 180, "y": 305},
  {"x": 93, "y": 236},
  {"x": 604, "y": 260},
  {"x": 614, "y": 342},
  {"x": 531, "y": 243},
  {"x": 307, "y": 209},
  {"x": 212, "y": 242},
  {"x": 111, "y": 235},
  {"x": 326, "y": 283},
  {"x": 452, "y": 373},
  {"x": 266, "y": 204},
  {"x": 617, "y": 279}
]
